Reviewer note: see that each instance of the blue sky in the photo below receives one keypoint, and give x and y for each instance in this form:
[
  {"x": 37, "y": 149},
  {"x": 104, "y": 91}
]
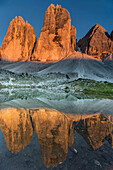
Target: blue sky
[{"x": 84, "y": 13}]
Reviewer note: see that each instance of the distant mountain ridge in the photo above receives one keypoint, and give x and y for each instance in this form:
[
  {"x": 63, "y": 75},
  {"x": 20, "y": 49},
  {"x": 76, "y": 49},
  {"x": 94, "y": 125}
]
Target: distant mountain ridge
[
  {"x": 97, "y": 42},
  {"x": 57, "y": 39}
]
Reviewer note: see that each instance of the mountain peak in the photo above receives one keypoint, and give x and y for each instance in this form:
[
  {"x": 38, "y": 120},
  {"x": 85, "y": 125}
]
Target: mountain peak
[
  {"x": 51, "y": 6},
  {"x": 57, "y": 38},
  {"x": 96, "y": 42},
  {"x": 58, "y": 6},
  {"x": 19, "y": 41},
  {"x": 97, "y": 26},
  {"x": 18, "y": 19}
]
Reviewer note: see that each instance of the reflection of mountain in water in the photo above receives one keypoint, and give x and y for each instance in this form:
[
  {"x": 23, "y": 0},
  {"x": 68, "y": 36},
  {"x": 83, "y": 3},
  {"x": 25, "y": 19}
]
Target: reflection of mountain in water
[
  {"x": 55, "y": 131},
  {"x": 16, "y": 127},
  {"x": 95, "y": 130}
]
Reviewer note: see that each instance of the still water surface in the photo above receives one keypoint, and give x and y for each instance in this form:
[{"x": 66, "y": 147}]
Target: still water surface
[{"x": 44, "y": 138}]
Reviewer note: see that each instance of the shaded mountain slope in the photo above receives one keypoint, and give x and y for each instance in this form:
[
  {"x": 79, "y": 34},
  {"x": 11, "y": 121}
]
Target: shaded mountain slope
[
  {"x": 25, "y": 67},
  {"x": 83, "y": 65},
  {"x": 108, "y": 61}
]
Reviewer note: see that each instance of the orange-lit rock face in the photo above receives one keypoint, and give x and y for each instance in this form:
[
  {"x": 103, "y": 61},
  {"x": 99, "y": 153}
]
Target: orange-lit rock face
[
  {"x": 96, "y": 42},
  {"x": 19, "y": 41},
  {"x": 55, "y": 133},
  {"x": 57, "y": 38},
  {"x": 73, "y": 38},
  {"x": 95, "y": 130},
  {"x": 16, "y": 127}
]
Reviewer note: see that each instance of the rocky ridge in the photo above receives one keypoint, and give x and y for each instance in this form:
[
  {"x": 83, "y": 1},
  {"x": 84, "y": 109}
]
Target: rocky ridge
[
  {"x": 96, "y": 42},
  {"x": 57, "y": 38},
  {"x": 55, "y": 131},
  {"x": 19, "y": 41}
]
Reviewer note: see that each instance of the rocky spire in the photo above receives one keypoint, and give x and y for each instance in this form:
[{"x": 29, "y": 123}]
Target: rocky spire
[
  {"x": 19, "y": 41},
  {"x": 55, "y": 41},
  {"x": 96, "y": 42}
]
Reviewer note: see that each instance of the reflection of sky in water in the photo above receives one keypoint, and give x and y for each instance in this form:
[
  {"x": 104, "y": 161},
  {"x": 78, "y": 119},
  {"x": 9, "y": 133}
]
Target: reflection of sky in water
[{"x": 55, "y": 132}]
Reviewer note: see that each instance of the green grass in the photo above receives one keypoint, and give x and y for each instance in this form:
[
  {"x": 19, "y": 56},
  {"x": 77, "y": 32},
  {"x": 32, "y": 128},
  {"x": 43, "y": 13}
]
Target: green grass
[
  {"x": 92, "y": 88},
  {"x": 81, "y": 88},
  {"x": 2, "y": 86}
]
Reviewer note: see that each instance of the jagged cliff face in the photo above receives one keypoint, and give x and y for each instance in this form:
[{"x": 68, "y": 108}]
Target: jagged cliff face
[
  {"x": 55, "y": 133},
  {"x": 16, "y": 127},
  {"x": 96, "y": 42},
  {"x": 111, "y": 35},
  {"x": 96, "y": 129},
  {"x": 19, "y": 41},
  {"x": 57, "y": 38}
]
